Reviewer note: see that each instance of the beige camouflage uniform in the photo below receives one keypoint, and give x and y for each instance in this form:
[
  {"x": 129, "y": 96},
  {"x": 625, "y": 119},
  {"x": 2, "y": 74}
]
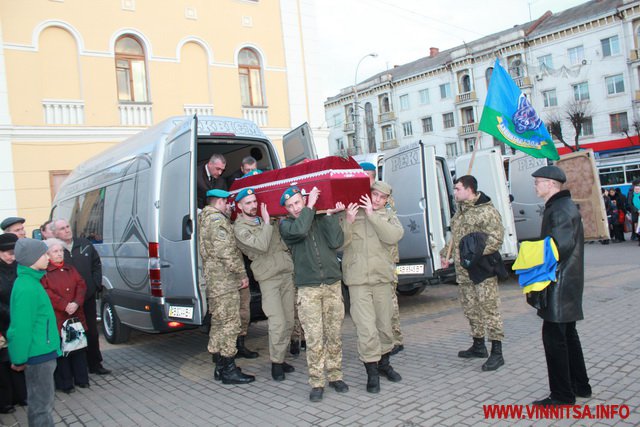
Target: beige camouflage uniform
[
  {"x": 481, "y": 302},
  {"x": 398, "y": 338},
  {"x": 223, "y": 271},
  {"x": 273, "y": 269}
]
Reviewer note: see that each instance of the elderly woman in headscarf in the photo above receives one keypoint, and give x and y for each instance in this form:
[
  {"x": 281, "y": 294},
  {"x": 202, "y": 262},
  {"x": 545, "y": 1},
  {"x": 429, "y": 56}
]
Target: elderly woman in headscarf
[{"x": 66, "y": 289}]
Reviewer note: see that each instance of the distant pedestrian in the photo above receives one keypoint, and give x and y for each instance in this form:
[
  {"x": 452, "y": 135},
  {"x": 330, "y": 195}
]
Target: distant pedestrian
[
  {"x": 15, "y": 225},
  {"x": 633, "y": 207}
]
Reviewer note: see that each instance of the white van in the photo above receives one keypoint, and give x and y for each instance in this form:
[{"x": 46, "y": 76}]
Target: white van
[{"x": 136, "y": 202}]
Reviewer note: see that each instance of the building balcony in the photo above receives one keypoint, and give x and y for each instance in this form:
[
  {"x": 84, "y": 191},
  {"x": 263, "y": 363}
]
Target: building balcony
[
  {"x": 523, "y": 81},
  {"x": 389, "y": 116},
  {"x": 634, "y": 55},
  {"x": 636, "y": 97},
  {"x": 63, "y": 112},
  {"x": 258, "y": 115},
  {"x": 198, "y": 109},
  {"x": 136, "y": 114},
  {"x": 389, "y": 144},
  {"x": 469, "y": 128},
  {"x": 466, "y": 97},
  {"x": 348, "y": 127}
]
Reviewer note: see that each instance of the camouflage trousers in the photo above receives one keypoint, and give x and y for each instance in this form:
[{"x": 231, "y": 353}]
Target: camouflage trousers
[
  {"x": 398, "y": 339},
  {"x": 321, "y": 312},
  {"x": 225, "y": 323},
  {"x": 371, "y": 309},
  {"x": 245, "y": 310},
  {"x": 277, "y": 303},
  {"x": 481, "y": 306},
  {"x": 298, "y": 333}
]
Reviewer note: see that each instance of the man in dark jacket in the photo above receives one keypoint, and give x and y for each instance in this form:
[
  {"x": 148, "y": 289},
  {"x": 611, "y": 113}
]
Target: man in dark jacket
[
  {"x": 209, "y": 177},
  {"x": 562, "y": 221},
  {"x": 313, "y": 240},
  {"x": 80, "y": 253}
]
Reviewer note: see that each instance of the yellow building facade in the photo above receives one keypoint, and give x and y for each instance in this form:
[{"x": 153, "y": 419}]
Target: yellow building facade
[{"x": 78, "y": 76}]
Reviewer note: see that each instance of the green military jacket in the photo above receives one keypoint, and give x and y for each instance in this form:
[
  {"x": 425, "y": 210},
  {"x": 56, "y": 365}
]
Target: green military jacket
[
  {"x": 262, "y": 243},
  {"x": 370, "y": 245},
  {"x": 475, "y": 215},
  {"x": 223, "y": 266}
]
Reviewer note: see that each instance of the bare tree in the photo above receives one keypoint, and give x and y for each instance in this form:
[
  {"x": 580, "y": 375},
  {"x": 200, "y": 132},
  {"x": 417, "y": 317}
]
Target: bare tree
[
  {"x": 554, "y": 126},
  {"x": 578, "y": 112}
]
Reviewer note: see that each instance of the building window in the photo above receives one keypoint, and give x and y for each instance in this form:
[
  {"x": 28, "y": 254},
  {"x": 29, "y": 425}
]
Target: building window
[
  {"x": 404, "y": 102},
  {"x": 424, "y": 96},
  {"x": 587, "y": 127},
  {"x": 340, "y": 143},
  {"x": 447, "y": 120},
  {"x": 465, "y": 83},
  {"x": 550, "y": 99},
  {"x": 407, "y": 129},
  {"x": 469, "y": 144},
  {"x": 250, "y": 73},
  {"x": 445, "y": 91},
  {"x": 610, "y": 46},
  {"x": 545, "y": 62},
  {"x": 487, "y": 75},
  {"x": 581, "y": 91},
  {"x": 452, "y": 149},
  {"x": 383, "y": 101},
  {"x": 515, "y": 66},
  {"x": 615, "y": 84},
  {"x": 427, "y": 124},
  {"x": 131, "y": 72},
  {"x": 618, "y": 122},
  {"x": 337, "y": 120},
  {"x": 576, "y": 55},
  {"x": 467, "y": 115},
  {"x": 387, "y": 133}
]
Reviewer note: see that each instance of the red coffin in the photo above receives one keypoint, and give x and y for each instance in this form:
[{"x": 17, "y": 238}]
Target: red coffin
[{"x": 338, "y": 179}]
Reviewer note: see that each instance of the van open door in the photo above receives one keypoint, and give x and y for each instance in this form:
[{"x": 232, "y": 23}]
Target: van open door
[
  {"x": 527, "y": 206},
  {"x": 178, "y": 246},
  {"x": 489, "y": 171},
  {"x": 298, "y": 145},
  {"x": 422, "y": 197}
]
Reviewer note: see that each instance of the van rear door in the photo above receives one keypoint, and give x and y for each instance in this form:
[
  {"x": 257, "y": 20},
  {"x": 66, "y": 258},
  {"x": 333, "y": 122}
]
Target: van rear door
[
  {"x": 489, "y": 171},
  {"x": 177, "y": 221},
  {"x": 298, "y": 145},
  {"x": 527, "y": 206}
]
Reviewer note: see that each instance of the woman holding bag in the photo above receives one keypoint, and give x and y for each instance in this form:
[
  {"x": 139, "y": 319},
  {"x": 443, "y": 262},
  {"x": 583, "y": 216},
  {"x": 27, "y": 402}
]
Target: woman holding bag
[{"x": 66, "y": 289}]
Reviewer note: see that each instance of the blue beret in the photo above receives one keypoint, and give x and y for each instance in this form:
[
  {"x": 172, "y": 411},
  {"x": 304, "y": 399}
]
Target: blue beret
[
  {"x": 368, "y": 166},
  {"x": 218, "y": 193},
  {"x": 244, "y": 193},
  {"x": 289, "y": 193},
  {"x": 251, "y": 173}
]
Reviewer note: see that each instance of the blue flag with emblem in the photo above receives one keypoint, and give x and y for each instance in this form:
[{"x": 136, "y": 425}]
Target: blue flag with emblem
[{"x": 509, "y": 117}]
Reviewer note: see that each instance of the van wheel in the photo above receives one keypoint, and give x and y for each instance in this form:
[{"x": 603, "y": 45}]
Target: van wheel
[{"x": 114, "y": 331}]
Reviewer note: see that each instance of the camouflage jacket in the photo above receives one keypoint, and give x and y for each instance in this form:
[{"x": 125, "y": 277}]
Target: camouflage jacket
[
  {"x": 263, "y": 245},
  {"x": 475, "y": 215},
  {"x": 370, "y": 246},
  {"x": 222, "y": 263}
]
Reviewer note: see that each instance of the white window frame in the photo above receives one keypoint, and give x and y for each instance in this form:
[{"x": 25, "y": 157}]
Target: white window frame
[
  {"x": 445, "y": 91},
  {"x": 427, "y": 124},
  {"x": 404, "y": 102},
  {"x": 581, "y": 91},
  {"x": 545, "y": 61},
  {"x": 550, "y": 98},
  {"x": 576, "y": 55},
  {"x": 407, "y": 129},
  {"x": 424, "y": 96},
  {"x": 612, "y": 44},
  {"x": 445, "y": 122},
  {"x": 612, "y": 82}
]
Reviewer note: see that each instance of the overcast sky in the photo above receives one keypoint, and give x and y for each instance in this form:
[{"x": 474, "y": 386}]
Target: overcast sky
[{"x": 401, "y": 31}]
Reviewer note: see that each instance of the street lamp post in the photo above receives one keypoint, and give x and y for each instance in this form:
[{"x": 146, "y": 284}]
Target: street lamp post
[{"x": 356, "y": 105}]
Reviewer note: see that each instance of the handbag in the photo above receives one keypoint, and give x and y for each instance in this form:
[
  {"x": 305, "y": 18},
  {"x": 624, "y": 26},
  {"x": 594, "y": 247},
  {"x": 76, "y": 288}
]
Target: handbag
[
  {"x": 538, "y": 299},
  {"x": 73, "y": 336}
]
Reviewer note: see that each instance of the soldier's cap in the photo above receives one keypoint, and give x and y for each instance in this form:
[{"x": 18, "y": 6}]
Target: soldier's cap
[
  {"x": 289, "y": 193},
  {"x": 251, "y": 173},
  {"x": 367, "y": 166},
  {"x": 550, "y": 172},
  {"x": 218, "y": 193},
  {"x": 8, "y": 222},
  {"x": 382, "y": 187},
  {"x": 244, "y": 193},
  {"x": 7, "y": 241}
]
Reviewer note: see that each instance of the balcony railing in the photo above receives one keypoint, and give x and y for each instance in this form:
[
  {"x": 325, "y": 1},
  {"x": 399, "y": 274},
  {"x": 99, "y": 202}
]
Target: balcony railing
[
  {"x": 137, "y": 114},
  {"x": 389, "y": 144},
  {"x": 466, "y": 97},
  {"x": 523, "y": 81},
  {"x": 467, "y": 128},
  {"x": 389, "y": 116},
  {"x": 348, "y": 127},
  {"x": 63, "y": 112},
  {"x": 258, "y": 115},
  {"x": 634, "y": 55},
  {"x": 637, "y": 96},
  {"x": 199, "y": 109}
]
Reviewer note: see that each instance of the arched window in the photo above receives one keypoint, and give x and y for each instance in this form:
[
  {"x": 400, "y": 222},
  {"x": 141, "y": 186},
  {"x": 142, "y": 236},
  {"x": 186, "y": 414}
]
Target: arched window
[
  {"x": 638, "y": 37},
  {"x": 131, "y": 70},
  {"x": 487, "y": 75},
  {"x": 466, "y": 83},
  {"x": 250, "y": 73}
]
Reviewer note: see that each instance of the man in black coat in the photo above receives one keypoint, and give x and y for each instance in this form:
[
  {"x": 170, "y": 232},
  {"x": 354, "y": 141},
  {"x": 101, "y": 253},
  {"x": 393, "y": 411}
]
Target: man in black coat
[
  {"x": 80, "y": 253},
  {"x": 209, "y": 177},
  {"x": 562, "y": 221}
]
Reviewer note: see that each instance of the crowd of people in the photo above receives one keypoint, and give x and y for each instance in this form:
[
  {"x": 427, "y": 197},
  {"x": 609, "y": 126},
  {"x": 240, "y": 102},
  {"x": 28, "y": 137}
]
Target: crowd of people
[{"x": 622, "y": 212}]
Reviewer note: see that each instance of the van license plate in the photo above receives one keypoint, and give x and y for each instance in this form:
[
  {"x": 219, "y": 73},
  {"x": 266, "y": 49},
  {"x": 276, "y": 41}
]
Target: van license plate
[
  {"x": 410, "y": 269},
  {"x": 181, "y": 312}
]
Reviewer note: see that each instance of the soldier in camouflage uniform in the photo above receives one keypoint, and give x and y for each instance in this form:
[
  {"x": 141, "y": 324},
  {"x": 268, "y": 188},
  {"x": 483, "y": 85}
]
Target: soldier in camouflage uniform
[
  {"x": 480, "y": 302},
  {"x": 224, "y": 273},
  {"x": 272, "y": 267},
  {"x": 313, "y": 240}
]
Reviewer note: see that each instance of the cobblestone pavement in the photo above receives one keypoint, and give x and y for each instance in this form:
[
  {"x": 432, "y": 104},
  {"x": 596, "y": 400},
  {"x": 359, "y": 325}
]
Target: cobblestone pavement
[{"x": 167, "y": 380}]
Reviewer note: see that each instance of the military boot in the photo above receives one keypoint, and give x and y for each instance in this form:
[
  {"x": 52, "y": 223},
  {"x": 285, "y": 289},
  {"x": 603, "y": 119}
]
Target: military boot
[
  {"x": 230, "y": 374},
  {"x": 495, "y": 360},
  {"x": 478, "y": 349},
  {"x": 373, "y": 377},
  {"x": 384, "y": 367},
  {"x": 244, "y": 351},
  {"x": 216, "y": 360},
  {"x": 294, "y": 348}
]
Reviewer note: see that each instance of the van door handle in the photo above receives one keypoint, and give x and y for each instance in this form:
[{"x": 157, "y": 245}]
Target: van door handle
[
  {"x": 187, "y": 227},
  {"x": 521, "y": 211}
]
